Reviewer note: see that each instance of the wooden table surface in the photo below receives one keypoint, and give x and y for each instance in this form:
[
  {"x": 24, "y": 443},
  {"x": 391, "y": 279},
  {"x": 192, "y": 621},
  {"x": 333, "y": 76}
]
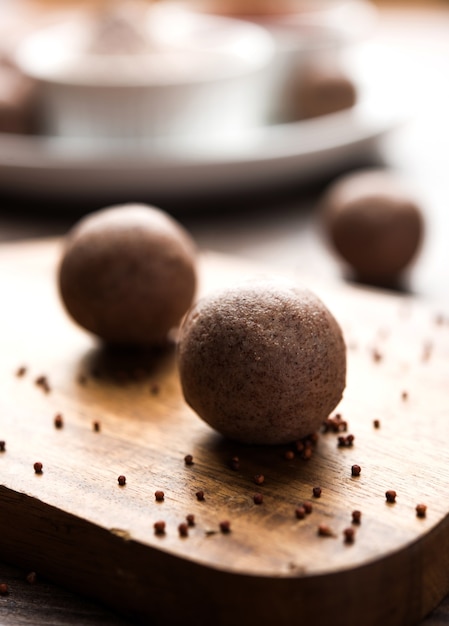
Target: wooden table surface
[{"x": 280, "y": 228}]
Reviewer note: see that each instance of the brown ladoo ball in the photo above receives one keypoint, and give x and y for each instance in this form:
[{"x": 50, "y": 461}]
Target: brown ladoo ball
[
  {"x": 324, "y": 88},
  {"x": 374, "y": 223},
  {"x": 128, "y": 274},
  {"x": 262, "y": 363}
]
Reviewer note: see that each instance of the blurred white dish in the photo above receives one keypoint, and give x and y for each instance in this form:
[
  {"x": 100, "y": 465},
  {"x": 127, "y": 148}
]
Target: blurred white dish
[
  {"x": 305, "y": 32},
  {"x": 293, "y": 152},
  {"x": 138, "y": 72}
]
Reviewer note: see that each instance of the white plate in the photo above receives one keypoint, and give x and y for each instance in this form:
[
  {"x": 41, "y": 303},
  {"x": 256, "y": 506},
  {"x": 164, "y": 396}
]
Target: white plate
[{"x": 263, "y": 156}]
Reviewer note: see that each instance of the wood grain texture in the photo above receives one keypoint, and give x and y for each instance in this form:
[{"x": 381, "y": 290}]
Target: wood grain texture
[{"x": 77, "y": 526}]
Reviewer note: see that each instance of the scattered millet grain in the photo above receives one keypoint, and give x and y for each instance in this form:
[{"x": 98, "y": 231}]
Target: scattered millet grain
[
  {"x": 42, "y": 381},
  {"x": 234, "y": 463},
  {"x": 345, "y": 442},
  {"x": 390, "y": 495},
  {"x": 307, "y": 454},
  {"x": 325, "y": 531},
  {"x": 259, "y": 479},
  {"x": 183, "y": 529},
  {"x": 317, "y": 491},
  {"x": 421, "y": 510},
  {"x": 349, "y": 535},
  {"x": 308, "y": 507},
  {"x": 225, "y": 526},
  {"x": 300, "y": 512},
  {"x": 159, "y": 528}
]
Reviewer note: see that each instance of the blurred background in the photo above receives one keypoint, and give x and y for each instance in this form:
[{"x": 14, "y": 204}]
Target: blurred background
[{"x": 271, "y": 104}]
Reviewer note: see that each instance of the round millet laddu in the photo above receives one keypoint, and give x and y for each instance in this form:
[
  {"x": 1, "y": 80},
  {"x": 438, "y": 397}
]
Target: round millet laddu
[
  {"x": 374, "y": 223},
  {"x": 128, "y": 274},
  {"x": 263, "y": 362}
]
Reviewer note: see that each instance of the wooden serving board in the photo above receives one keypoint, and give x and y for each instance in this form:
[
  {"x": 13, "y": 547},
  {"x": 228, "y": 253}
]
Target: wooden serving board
[{"x": 74, "y": 523}]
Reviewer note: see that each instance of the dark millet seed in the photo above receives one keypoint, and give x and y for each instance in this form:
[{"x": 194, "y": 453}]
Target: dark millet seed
[
  {"x": 345, "y": 442},
  {"x": 31, "y": 578},
  {"x": 190, "y": 519},
  {"x": 4, "y": 589},
  {"x": 200, "y": 495},
  {"x": 96, "y": 426},
  {"x": 349, "y": 535},
  {"x": 377, "y": 356},
  {"x": 307, "y": 454},
  {"x": 404, "y": 395},
  {"x": 308, "y": 507},
  {"x": 225, "y": 526},
  {"x": 259, "y": 479},
  {"x": 159, "y": 528},
  {"x": 376, "y": 423},
  {"x": 317, "y": 492},
  {"x": 121, "y": 480},
  {"x": 356, "y": 517},
  {"x": 421, "y": 510},
  {"x": 355, "y": 470},
  {"x": 289, "y": 455},
  {"x": 300, "y": 512},
  {"x": 58, "y": 421},
  {"x": 390, "y": 495},
  {"x": 2, "y": 446},
  {"x": 325, "y": 531},
  {"x": 258, "y": 498},
  {"x": 42, "y": 381},
  {"x": 38, "y": 467},
  {"x": 188, "y": 459},
  {"x": 21, "y": 371},
  {"x": 234, "y": 463},
  {"x": 335, "y": 424},
  {"x": 82, "y": 380},
  {"x": 154, "y": 389},
  {"x": 159, "y": 495},
  {"x": 183, "y": 529}
]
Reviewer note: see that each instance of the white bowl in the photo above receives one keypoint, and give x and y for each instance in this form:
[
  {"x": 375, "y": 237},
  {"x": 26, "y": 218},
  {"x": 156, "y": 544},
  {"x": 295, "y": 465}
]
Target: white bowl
[
  {"x": 197, "y": 74},
  {"x": 304, "y": 31}
]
